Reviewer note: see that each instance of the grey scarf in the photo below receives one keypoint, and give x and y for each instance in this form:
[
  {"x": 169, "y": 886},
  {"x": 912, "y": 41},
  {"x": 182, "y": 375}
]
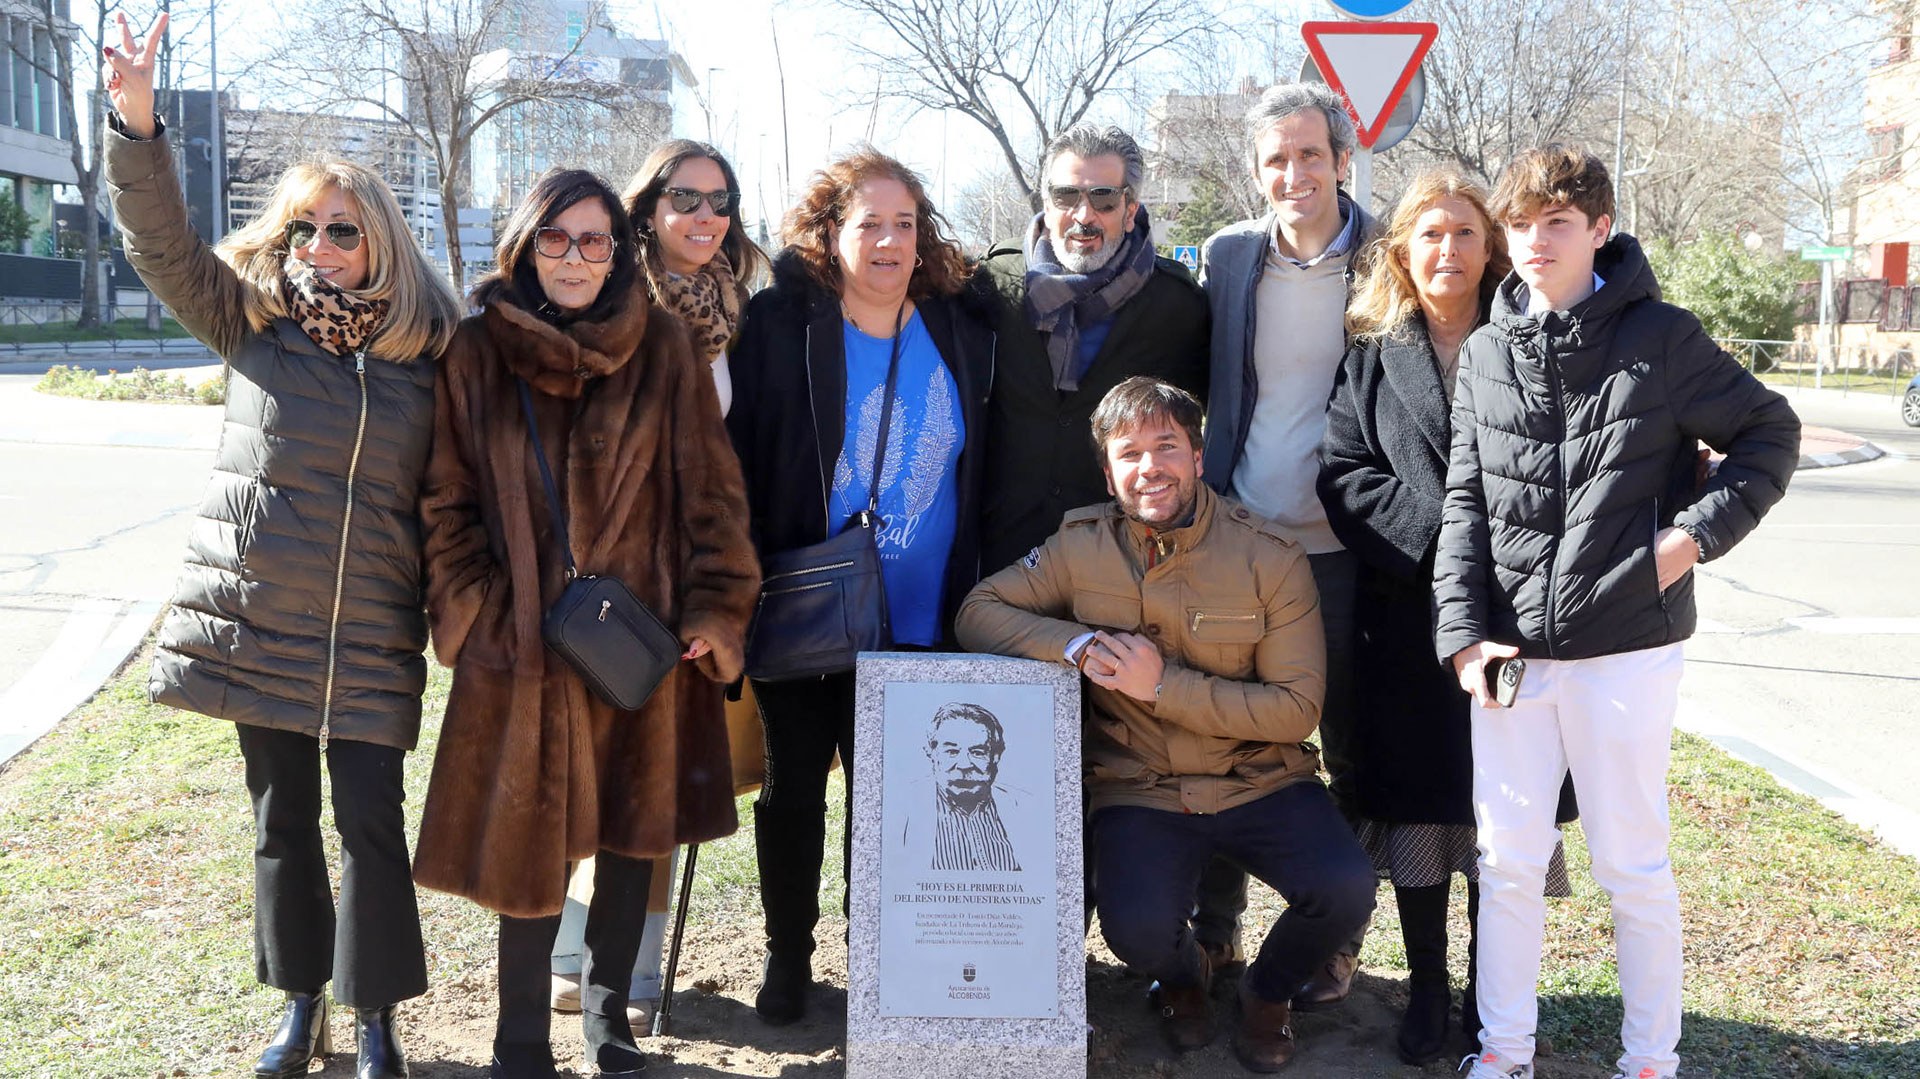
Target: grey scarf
[{"x": 1060, "y": 302}]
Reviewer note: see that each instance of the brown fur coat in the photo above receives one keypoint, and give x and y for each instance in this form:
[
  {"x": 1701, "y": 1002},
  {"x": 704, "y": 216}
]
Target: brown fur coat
[{"x": 533, "y": 770}]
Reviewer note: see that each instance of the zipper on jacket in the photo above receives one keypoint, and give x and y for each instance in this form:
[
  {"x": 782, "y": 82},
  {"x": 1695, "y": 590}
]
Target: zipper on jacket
[
  {"x": 1200, "y": 618},
  {"x": 1560, "y": 481},
  {"x": 340, "y": 570},
  {"x": 826, "y": 498}
]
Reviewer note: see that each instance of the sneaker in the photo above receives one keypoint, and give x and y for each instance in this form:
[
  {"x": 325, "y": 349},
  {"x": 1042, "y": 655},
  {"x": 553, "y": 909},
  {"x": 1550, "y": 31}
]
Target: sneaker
[
  {"x": 1644, "y": 1073},
  {"x": 564, "y": 993},
  {"x": 1491, "y": 1065}
]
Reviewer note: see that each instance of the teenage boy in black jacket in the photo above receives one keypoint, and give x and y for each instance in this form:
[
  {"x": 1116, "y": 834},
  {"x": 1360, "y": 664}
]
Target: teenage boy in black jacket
[{"x": 1572, "y": 522}]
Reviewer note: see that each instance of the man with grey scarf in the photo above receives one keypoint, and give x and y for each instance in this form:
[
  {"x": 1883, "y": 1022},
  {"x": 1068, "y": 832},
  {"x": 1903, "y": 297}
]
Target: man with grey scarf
[{"x": 1079, "y": 304}]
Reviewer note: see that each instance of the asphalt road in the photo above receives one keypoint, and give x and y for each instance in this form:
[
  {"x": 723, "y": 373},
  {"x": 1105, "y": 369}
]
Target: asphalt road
[
  {"x": 1810, "y": 658},
  {"x": 1808, "y": 663}
]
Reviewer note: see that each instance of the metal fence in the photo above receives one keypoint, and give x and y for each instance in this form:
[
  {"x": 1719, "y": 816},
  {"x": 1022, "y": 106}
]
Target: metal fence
[
  {"x": 1883, "y": 369},
  {"x": 46, "y": 327}
]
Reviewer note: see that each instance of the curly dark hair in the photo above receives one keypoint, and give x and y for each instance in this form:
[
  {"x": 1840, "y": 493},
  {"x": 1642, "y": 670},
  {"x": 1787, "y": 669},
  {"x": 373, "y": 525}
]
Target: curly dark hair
[{"x": 809, "y": 227}]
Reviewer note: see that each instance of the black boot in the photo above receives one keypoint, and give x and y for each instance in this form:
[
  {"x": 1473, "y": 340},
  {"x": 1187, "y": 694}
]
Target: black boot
[
  {"x": 610, "y": 1044},
  {"x": 1469, "y": 1000},
  {"x": 522, "y": 1060},
  {"x": 783, "y": 987},
  {"x": 302, "y": 1036},
  {"x": 379, "y": 1044},
  {"x": 1423, "y": 926}
]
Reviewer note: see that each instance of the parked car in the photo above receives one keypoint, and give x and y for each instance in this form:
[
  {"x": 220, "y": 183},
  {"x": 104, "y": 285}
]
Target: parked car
[{"x": 1910, "y": 403}]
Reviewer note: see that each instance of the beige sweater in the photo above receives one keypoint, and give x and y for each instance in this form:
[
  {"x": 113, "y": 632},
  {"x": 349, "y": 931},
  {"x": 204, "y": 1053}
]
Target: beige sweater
[{"x": 1299, "y": 339}]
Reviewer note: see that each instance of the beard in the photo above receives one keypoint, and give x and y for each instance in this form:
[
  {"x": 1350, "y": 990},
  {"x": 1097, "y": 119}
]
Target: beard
[
  {"x": 1076, "y": 262},
  {"x": 1188, "y": 493}
]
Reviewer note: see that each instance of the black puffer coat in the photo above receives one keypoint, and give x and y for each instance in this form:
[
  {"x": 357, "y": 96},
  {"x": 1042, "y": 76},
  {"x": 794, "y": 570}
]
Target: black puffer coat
[
  {"x": 1573, "y": 445},
  {"x": 301, "y": 603}
]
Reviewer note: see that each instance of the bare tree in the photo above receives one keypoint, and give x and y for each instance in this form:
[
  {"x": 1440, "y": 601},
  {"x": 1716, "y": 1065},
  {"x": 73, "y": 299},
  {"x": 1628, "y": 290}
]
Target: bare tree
[
  {"x": 989, "y": 208},
  {"x": 456, "y": 71},
  {"x": 64, "y": 38},
  {"x": 1025, "y": 70}
]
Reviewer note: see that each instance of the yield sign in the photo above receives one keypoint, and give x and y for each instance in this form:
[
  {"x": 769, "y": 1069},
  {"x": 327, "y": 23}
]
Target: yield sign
[{"x": 1370, "y": 63}]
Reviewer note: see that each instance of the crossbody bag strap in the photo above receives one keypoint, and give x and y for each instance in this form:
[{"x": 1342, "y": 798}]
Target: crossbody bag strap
[
  {"x": 872, "y": 511},
  {"x": 546, "y": 476}
]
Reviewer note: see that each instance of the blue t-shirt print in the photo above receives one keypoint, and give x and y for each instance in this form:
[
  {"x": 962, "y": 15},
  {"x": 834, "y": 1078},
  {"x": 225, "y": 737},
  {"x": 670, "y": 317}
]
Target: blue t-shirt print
[{"x": 919, "y": 489}]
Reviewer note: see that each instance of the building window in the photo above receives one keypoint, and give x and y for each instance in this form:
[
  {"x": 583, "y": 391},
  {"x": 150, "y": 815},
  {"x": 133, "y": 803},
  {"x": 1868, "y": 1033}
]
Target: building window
[
  {"x": 1884, "y": 151},
  {"x": 576, "y": 25}
]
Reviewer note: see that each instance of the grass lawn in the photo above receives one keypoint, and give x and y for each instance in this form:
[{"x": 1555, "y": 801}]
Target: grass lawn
[
  {"x": 125, "y": 329},
  {"x": 125, "y": 920}
]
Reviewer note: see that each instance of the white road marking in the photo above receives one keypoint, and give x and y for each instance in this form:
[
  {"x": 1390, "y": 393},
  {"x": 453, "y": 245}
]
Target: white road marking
[
  {"x": 1856, "y": 625},
  {"x": 1708, "y": 625}
]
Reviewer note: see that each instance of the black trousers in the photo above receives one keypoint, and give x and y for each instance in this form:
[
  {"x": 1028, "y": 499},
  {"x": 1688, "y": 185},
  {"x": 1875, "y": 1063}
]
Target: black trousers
[
  {"x": 806, "y": 721},
  {"x": 616, "y": 919},
  {"x": 372, "y": 951},
  {"x": 1223, "y": 887}
]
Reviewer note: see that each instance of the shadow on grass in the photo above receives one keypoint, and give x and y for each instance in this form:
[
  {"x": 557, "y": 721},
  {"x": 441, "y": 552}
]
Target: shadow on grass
[{"x": 1585, "y": 1029}]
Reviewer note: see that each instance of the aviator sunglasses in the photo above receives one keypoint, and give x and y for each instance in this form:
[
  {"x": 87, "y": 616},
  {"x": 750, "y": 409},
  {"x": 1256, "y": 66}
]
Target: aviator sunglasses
[
  {"x": 554, "y": 242},
  {"x": 1104, "y": 200},
  {"x": 344, "y": 235},
  {"x": 686, "y": 200}
]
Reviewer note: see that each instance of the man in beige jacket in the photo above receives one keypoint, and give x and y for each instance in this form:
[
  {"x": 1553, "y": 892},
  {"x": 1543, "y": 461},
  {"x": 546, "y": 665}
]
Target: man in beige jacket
[{"x": 1197, "y": 625}]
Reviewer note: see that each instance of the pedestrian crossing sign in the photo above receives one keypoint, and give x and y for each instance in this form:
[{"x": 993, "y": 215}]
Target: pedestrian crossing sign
[{"x": 1188, "y": 256}]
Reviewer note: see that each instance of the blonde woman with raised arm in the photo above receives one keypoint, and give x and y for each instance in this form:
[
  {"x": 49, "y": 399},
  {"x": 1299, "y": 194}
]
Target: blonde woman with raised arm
[{"x": 299, "y": 614}]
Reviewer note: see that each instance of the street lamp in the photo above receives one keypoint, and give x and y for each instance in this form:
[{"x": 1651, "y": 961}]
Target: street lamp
[{"x": 707, "y": 105}]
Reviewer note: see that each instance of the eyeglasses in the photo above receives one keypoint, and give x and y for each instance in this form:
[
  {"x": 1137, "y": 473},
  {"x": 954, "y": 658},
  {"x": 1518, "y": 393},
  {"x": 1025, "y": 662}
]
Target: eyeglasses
[
  {"x": 344, "y": 235},
  {"x": 554, "y": 244},
  {"x": 1104, "y": 200},
  {"x": 686, "y": 200}
]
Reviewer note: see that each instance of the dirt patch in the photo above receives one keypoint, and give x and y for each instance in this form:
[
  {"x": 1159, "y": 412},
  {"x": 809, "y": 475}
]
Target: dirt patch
[{"x": 716, "y": 1033}]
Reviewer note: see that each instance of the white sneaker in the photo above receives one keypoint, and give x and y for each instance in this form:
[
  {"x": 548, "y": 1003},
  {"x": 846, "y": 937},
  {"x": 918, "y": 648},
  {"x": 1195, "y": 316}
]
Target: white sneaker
[
  {"x": 1491, "y": 1065},
  {"x": 1645, "y": 1073}
]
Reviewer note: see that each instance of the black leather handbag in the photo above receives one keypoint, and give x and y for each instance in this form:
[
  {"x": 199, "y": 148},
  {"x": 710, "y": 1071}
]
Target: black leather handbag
[
  {"x": 823, "y": 604},
  {"x": 619, "y": 648}
]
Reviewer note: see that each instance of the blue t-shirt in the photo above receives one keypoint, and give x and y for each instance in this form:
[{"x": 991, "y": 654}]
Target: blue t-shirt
[{"x": 919, "y": 485}]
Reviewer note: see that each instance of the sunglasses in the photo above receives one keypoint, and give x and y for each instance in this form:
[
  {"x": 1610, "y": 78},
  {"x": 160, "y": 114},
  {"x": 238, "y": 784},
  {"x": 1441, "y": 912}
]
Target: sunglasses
[
  {"x": 344, "y": 235},
  {"x": 686, "y": 200},
  {"x": 1104, "y": 200},
  {"x": 554, "y": 244}
]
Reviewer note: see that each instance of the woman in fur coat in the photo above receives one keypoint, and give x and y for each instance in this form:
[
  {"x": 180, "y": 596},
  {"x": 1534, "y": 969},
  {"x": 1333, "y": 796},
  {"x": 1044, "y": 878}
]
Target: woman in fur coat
[{"x": 533, "y": 770}]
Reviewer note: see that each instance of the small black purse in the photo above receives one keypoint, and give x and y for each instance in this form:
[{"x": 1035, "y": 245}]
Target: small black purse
[
  {"x": 619, "y": 648},
  {"x": 823, "y": 604}
]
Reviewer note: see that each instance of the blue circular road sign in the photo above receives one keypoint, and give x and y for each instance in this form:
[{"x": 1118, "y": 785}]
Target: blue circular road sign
[{"x": 1370, "y": 9}]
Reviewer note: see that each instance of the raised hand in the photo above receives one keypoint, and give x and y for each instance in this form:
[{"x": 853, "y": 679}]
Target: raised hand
[{"x": 130, "y": 76}]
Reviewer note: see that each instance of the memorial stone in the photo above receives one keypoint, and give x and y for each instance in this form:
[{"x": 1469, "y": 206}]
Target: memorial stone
[{"x": 967, "y": 950}]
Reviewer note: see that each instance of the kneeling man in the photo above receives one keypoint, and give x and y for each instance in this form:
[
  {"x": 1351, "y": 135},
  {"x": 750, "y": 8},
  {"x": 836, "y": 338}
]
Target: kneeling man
[{"x": 1197, "y": 624}]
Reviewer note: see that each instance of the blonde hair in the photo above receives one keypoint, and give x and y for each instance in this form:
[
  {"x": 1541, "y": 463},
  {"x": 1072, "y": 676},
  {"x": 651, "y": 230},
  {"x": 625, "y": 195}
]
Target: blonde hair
[
  {"x": 1386, "y": 301},
  {"x": 423, "y": 310}
]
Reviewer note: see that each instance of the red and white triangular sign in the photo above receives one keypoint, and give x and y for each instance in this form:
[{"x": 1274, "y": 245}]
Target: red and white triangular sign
[{"x": 1370, "y": 64}]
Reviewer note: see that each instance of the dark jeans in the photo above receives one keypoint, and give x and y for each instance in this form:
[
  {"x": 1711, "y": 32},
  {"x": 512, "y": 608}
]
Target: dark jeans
[
  {"x": 805, "y": 720},
  {"x": 1223, "y": 890},
  {"x": 1150, "y": 862},
  {"x": 372, "y": 952},
  {"x": 613, "y": 934}
]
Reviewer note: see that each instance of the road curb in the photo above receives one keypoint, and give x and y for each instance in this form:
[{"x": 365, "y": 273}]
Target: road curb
[
  {"x": 1865, "y": 451},
  {"x": 98, "y": 637}
]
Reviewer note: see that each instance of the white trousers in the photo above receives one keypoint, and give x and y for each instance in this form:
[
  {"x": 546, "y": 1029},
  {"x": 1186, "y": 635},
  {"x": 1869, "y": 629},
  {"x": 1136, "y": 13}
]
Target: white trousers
[{"x": 1610, "y": 721}]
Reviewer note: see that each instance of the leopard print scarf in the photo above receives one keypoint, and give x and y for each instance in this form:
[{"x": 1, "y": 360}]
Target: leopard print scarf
[
  {"x": 706, "y": 301},
  {"x": 337, "y": 320}
]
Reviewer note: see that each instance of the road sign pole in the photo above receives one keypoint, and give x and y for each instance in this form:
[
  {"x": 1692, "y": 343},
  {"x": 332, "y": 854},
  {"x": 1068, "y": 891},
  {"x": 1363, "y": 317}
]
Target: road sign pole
[
  {"x": 1821, "y": 354},
  {"x": 1360, "y": 183}
]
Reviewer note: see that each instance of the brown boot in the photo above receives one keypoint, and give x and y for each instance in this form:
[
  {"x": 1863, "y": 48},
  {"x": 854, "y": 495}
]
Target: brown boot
[
  {"x": 1186, "y": 1013},
  {"x": 1330, "y": 984},
  {"x": 1265, "y": 1040}
]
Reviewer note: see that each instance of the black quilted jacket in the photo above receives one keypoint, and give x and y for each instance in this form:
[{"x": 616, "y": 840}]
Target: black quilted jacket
[
  {"x": 1573, "y": 445},
  {"x": 300, "y": 604}
]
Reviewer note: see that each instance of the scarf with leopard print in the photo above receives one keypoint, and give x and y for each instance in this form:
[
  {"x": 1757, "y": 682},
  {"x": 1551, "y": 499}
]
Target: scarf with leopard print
[
  {"x": 706, "y": 301},
  {"x": 337, "y": 320}
]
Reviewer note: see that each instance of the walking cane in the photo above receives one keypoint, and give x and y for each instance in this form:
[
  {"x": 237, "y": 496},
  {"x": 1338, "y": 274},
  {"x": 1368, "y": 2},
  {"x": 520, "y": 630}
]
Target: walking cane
[{"x": 663, "y": 1016}]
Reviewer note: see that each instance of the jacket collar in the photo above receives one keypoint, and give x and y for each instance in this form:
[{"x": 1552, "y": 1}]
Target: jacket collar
[{"x": 558, "y": 360}]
